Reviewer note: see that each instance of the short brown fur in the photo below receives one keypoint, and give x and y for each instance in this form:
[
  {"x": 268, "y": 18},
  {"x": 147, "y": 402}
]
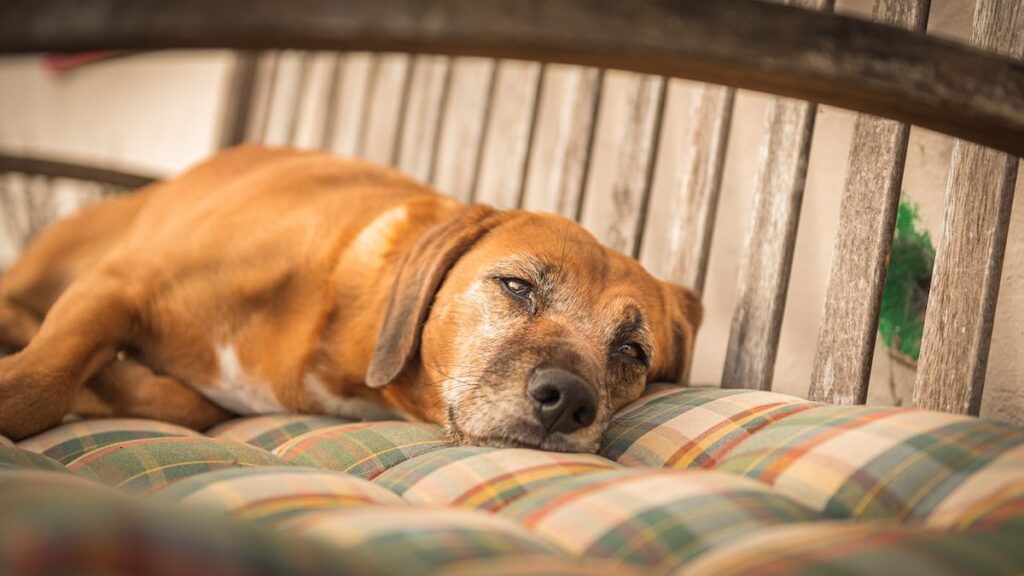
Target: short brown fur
[{"x": 267, "y": 280}]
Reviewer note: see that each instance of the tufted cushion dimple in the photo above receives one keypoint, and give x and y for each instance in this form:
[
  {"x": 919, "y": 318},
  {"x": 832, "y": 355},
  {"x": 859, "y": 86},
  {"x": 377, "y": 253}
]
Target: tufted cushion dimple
[
  {"x": 363, "y": 449},
  {"x": 868, "y": 548},
  {"x": 654, "y": 519},
  {"x": 275, "y": 493},
  {"x": 484, "y": 478},
  {"x": 875, "y": 462},
  {"x": 414, "y": 540},
  {"x": 16, "y": 458},
  {"x": 149, "y": 464},
  {"x": 269, "y": 432},
  {"x": 73, "y": 439},
  {"x": 697, "y": 427}
]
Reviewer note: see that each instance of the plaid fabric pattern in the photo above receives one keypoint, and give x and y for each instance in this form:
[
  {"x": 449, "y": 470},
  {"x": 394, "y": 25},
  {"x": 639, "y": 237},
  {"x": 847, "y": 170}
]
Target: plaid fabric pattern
[
  {"x": 418, "y": 540},
  {"x": 13, "y": 457},
  {"x": 365, "y": 449},
  {"x": 151, "y": 464},
  {"x": 654, "y": 519},
  {"x": 73, "y": 439},
  {"x": 483, "y": 478},
  {"x": 269, "y": 432},
  {"x": 272, "y": 493},
  {"x": 868, "y": 549},
  {"x": 692, "y": 427},
  {"x": 873, "y": 462},
  {"x": 61, "y": 530},
  {"x": 533, "y": 565}
]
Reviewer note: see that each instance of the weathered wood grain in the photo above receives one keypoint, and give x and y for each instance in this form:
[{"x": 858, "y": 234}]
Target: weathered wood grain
[
  {"x": 462, "y": 123},
  {"x": 969, "y": 253},
  {"x": 825, "y": 58},
  {"x": 422, "y": 115},
  {"x": 507, "y": 133},
  {"x": 347, "y": 112},
  {"x": 263, "y": 90},
  {"x": 768, "y": 255},
  {"x": 283, "y": 106},
  {"x": 867, "y": 216},
  {"x": 561, "y": 141},
  {"x": 239, "y": 99},
  {"x": 622, "y": 161},
  {"x": 319, "y": 80},
  {"x": 684, "y": 197},
  {"x": 385, "y": 106}
]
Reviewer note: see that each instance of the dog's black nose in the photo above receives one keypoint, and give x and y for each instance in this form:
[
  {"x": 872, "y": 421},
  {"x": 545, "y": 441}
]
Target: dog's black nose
[{"x": 564, "y": 402}]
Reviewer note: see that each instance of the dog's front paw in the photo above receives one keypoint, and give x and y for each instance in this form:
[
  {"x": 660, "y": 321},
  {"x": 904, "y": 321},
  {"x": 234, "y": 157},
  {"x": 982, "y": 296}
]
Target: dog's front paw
[{"x": 30, "y": 401}]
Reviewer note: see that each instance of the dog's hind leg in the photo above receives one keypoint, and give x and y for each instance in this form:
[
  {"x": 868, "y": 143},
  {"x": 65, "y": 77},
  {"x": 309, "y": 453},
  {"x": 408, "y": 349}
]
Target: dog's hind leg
[
  {"x": 81, "y": 333},
  {"x": 128, "y": 388}
]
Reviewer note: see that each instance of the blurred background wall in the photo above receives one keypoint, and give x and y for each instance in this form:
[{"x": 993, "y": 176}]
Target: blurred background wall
[{"x": 158, "y": 113}]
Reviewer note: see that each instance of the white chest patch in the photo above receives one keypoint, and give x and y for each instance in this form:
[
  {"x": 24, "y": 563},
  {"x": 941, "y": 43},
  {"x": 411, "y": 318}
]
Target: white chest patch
[
  {"x": 236, "y": 391},
  {"x": 334, "y": 405}
]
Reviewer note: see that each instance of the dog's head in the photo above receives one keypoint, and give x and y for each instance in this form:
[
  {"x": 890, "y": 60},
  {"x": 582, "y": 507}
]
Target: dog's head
[{"x": 520, "y": 329}]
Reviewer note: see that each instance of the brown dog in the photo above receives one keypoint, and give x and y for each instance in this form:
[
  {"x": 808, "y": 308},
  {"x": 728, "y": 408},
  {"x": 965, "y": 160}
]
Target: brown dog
[{"x": 269, "y": 281}]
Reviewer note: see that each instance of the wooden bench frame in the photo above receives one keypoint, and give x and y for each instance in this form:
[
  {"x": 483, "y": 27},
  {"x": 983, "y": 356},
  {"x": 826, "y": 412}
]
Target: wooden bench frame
[{"x": 888, "y": 70}]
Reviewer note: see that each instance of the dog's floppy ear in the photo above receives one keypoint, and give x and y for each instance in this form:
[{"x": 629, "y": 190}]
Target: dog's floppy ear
[
  {"x": 685, "y": 314},
  {"x": 419, "y": 277}
]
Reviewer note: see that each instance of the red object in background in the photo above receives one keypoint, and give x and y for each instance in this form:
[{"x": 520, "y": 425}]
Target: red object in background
[{"x": 65, "y": 62}]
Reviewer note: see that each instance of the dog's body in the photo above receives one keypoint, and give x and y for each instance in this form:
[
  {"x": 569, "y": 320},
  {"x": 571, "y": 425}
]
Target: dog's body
[{"x": 270, "y": 280}]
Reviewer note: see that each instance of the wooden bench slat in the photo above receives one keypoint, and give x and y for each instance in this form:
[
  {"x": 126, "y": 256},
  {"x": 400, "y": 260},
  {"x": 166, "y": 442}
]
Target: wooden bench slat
[
  {"x": 240, "y": 98},
  {"x": 507, "y": 133},
  {"x": 561, "y": 144},
  {"x": 768, "y": 255},
  {"x": 347, "y": 110},
  {"x": 423, "y": 107},
  {"x": 263, "y": 90},
  {"x": 284, "y": 98},
  {"x": 319, "y": 85},
  {"x": 684, "y": 197},
  {"x": 385, "y": 104},
  {"x": 462, "y": 123},
  {"x": 867, "y": 217},
  {"x": 969, "y": 253},
  {"x": 625, "y": 143}
]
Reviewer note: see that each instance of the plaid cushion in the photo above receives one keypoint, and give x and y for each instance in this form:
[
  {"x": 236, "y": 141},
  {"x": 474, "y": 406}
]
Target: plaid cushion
[
  {"x": 654, "y": 519},
  {"x": 764, "y": 473},
  {"x": 365, "y": 449},
  {"x": 875, "y": 462},
  {"x": 482, "y": 477},
  {"x": 867, "y": 549},
  {"x": 269, "y": 432},
  {"x": 418, "y": 540},
  {"x": 674, "y": 427},
  {"x": 273, "y": 494},
  {"x": 150, "y": 464},
  {"x": 69, "y": 441}
]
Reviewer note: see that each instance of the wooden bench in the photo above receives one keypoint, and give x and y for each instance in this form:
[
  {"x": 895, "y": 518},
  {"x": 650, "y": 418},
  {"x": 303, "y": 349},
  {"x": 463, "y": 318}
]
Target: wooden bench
[{"x": 563, "y": 106}]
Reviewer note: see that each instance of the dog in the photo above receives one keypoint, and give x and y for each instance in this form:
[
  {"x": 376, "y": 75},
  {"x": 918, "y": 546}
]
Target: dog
[{"x": 273, "y": 280}]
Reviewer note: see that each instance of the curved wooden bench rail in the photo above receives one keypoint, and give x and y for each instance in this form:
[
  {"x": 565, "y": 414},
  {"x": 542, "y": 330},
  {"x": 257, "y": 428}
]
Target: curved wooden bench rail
[
  {"x": 53, "y": 168},
  {"x": 815, "y": 56}
]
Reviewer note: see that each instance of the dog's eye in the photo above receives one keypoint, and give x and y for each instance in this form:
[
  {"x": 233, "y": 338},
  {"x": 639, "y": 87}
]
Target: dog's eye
[
  {"x": 633, "y": 351},
  {"x": 516, "y": 287}
]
